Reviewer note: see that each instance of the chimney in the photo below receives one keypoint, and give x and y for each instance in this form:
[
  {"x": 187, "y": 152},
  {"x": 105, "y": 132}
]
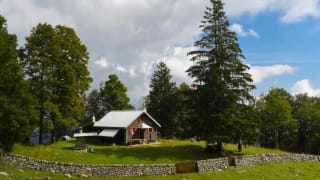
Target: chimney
[{"x": 93, "y": 119}]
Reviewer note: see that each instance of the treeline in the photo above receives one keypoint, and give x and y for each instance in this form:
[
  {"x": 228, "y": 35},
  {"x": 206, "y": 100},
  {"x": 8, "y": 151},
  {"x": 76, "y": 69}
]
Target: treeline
[
  {"x": 289, "y": 122},
  {"x": 276, "y": 119}
]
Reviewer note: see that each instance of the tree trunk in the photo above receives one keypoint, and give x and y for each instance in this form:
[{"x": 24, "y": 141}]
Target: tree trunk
[
  {"x": 53, "y": 136},
  {"x": 41, "y": 126},
  {"x": 277, "y": 138}
]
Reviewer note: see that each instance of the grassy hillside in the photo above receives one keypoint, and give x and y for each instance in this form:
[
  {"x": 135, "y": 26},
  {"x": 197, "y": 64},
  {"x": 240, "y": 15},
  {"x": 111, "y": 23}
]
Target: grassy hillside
[
  {"x": 167, "y": 151},
  {"x": 285, "y": 170}
]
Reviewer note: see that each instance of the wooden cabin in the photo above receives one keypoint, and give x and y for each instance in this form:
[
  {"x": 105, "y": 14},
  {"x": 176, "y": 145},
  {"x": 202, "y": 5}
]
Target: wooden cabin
[{"x": 124, "y": 127}]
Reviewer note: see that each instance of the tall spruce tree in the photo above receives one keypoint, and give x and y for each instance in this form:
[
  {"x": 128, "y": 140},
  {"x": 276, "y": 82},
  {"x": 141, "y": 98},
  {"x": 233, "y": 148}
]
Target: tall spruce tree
[
  {"x": 221, "y": 79},
  {"x": 160, "y": 102},
  {"x": 55, "y": 62},
  {"x": 17, "y": 113}
]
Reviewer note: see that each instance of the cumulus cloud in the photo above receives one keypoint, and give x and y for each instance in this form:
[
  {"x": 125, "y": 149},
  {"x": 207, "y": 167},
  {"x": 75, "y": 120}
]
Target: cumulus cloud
[
  {"x": 121, "y": 68},
  {"x": 102, "y": 62},
  {"x": 178, "y": 62},
  {"x": 237, "y": 28},
  {"x": 291, "y": 10},
  {"x": 260, "y": 73},
  {"x": 304, "y": 86},
  {"x": 300, "y": 10}
]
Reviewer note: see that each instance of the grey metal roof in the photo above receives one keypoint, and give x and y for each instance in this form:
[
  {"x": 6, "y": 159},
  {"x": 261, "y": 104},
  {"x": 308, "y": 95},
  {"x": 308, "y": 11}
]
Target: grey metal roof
[
  {"x": 121, "y": 119},
  {"x": 108, "y": 132}
]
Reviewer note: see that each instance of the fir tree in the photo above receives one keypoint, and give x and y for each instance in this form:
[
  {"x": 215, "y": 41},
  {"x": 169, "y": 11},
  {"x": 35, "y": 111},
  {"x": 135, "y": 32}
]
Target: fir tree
[
  {"x": 220, "y": 76},
  {"x": 161, "y": 102}
]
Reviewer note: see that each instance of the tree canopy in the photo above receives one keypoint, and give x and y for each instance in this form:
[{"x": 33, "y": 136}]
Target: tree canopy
[
  {"x": 112, "y": 95},
  {"x": 276, "y": 119},
  {"x": 17, "y": 113},
  {"x": 55, "y": 62}
]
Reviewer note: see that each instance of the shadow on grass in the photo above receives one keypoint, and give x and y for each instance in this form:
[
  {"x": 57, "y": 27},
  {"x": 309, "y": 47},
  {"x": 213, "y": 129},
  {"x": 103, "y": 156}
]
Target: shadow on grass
[{"x": 154, "y": 154}]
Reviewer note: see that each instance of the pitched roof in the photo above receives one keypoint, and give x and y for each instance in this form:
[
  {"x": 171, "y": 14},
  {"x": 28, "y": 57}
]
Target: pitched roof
[
  {"x": 108, "y": 132},
  {"x": 121, "y": 119}
]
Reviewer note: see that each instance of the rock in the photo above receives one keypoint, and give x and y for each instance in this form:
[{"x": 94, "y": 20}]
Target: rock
[
  {"x": 243, "y": 171},
  {"x": 4, "y": 174},
  {"x": 83, "y": 175},
  {"x": 68, "y": 175}
]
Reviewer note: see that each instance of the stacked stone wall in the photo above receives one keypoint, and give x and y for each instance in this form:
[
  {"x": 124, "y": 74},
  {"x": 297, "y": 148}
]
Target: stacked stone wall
[
  {"x": 149, "y": 169},
  {"x": 251, "y": 160},
  {"x": 91, "y": 169}
]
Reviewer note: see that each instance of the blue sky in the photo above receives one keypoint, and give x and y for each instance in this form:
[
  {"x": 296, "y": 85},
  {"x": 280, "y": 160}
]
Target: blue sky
[
  {"x": 290, "y": 44},
  {"x": 279, "y": 38}
]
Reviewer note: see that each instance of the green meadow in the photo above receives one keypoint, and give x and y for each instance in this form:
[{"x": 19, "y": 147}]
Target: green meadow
[{"x": 165, "y": 151}]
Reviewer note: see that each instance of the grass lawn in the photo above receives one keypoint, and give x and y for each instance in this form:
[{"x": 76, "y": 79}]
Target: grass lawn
[
  {"x": 167, "y": 151},
  {"x": 285, "y": 170}
]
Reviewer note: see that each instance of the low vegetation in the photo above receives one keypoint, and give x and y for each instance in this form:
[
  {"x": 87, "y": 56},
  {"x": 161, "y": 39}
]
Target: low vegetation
[{"x": 166, "y": 151}]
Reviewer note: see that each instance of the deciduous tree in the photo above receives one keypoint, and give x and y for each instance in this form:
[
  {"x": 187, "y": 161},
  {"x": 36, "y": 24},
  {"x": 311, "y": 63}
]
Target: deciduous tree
[
  {"x": 55, "y": 62},
  {"x": 17, "y": 113},
  {"x": 307, "y": 113},
  {"x": 278, "y": 128}
]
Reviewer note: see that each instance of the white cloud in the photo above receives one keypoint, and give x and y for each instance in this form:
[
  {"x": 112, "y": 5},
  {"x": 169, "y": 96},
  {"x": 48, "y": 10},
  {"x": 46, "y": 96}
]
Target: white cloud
[
  {"x": 260, "y": 73},
  {"x": 304, "y": 86},
  {"x": 237, "y": 28},
  {"x": 102, "y": 62},
  {"x": 291, "y": 10},
  {"x": 300, "y": 10},
  {"x": 178, "y": 62},
  {"x": 121, "y": 68},
  {"x": 132, "y": 71}
]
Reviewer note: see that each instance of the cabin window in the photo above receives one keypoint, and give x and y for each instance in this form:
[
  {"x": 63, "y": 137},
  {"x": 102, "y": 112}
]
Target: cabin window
[{"x": 150, "y": 130}]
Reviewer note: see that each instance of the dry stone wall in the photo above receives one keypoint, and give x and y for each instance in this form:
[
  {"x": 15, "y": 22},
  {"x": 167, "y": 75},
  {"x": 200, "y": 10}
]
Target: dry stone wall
[
  {"x": 222, "y": 163},
  {"x": 149, "y": 169},
  {"x": 91, "y": 169}
]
